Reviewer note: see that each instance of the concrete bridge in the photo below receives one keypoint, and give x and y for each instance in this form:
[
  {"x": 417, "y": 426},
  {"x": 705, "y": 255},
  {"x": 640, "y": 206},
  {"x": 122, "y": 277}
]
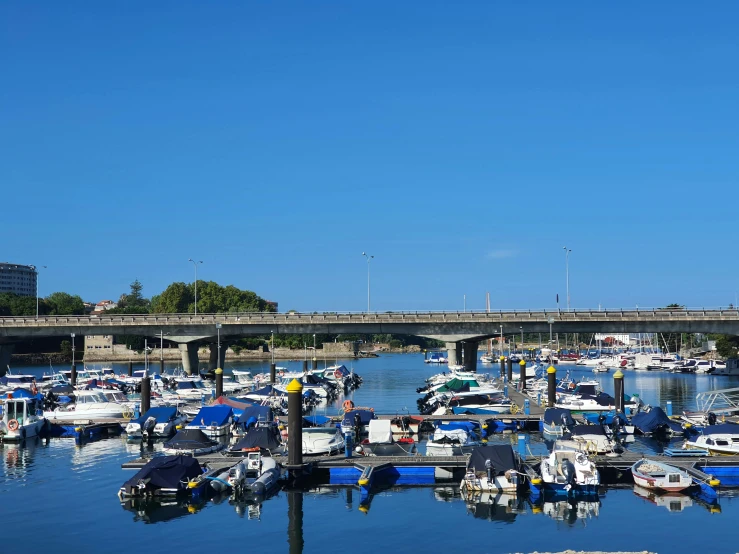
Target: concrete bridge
[{"x": 454, "y": 328}]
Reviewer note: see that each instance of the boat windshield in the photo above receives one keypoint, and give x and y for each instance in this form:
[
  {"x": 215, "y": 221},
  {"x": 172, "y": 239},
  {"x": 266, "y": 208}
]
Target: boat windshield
[
  {"x": 14, "y": 409},
  {"x": 91, "y": 398},
  {"x": 115, "y": 396}
]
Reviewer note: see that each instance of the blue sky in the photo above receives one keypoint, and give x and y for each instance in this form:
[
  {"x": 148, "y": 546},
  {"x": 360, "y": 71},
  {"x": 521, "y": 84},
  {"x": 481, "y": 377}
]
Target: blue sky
[{"x": 463, "y": 144}]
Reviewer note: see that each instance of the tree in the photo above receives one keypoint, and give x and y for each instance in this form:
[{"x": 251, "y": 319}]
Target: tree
[
  {"x": 727, "y": 346},
  {"x": 66, "y": 347},
  {"x": 61, "y": 303},
  {"x": 134, "y": 302},
  {"x": 212, "y": 298}
]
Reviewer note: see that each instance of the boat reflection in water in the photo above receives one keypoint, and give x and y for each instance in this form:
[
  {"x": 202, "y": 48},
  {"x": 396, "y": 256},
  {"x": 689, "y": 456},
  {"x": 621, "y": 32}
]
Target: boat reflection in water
[
  {"x": 494, "y": 506},
  {"x": 18, "y": 456},
  {"x": 570, "y": 510},
  {"x": 151, "y": 510},
  {"x": 675, "y": 502}
]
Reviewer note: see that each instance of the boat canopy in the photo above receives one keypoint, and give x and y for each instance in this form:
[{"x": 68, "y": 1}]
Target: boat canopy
[
  {"x": 467, "y": 426},
  {"x": 265, "y": 391},
  {"x": 162, "y": 413},
  {"x": 379, "y": 431},
  {"x": 648, "y": 422},
  {"x": 236, "y": 404},
  {"x": 252, "y": 414},
  {"x": 721, "y": 429},
  {"x": 365, "y": 416},
  {"x": 315, "y": 421},
  {"x": 500, "y": 455},
  {"x": 189, "y": 439},
  {"x": 165, "y": 472},
  {"x": 458, "y": 385},
  {"x": 213, "y": 415},
  {"x": 580, "y": 430},
  {"x": 559, "y": 416},
  {"x": 259, "y": 437}
]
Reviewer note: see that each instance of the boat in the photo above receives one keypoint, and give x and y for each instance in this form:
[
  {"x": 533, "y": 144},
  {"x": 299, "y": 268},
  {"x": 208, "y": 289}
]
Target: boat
[
  {"x": 192, "y": 442},
  {"x": 406, "y": 424},
  {"x": 493, "y": 468},
  {"x": 556, "y": 421},
  {"x": 162, "y": 476},
  {"x": 215, "y": 421},
  {"x": 654, "y": 421},
  {"x": 243, "y": 377},
  {"x": 480, "y": 404},
  {"x": 267, "y": 472},
  {"x": 436, "y": 358},
  {"x": 356, "y": 420},
  {"x": 21, "y": 418},
  {"x": 589, "y": 438},
  {"x": 655, "y": 475},
  {"x": 157, "y": 422},
  {"x": 569, "y": 471},
  {"x": 380, "y": 441},
  {"x": 88, "y": 405},
  {"x": 322, "y": 440},
  {"x": 721, "y": 439},
  {"x": 265, "y": 439},
  {"x": 453, "y": 439}
]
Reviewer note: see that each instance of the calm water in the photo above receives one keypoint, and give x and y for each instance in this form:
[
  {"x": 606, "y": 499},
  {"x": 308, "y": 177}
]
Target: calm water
[{"x": 58, "y": 497}]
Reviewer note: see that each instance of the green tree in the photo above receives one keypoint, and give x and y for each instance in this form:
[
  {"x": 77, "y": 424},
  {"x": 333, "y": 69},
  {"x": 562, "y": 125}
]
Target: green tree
[
  {"x": 727, "y": 346},
  {"x": 212, "y": 298},
  {"x": 133, "y": 302},
  {"x": 61, "y": 303},
  {"x": 66, "y": 347}
]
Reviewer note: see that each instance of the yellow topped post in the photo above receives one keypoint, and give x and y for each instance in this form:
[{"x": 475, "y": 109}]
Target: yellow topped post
[
  {"x": 295, "y": 423},
  {"x": 219, "y": 382},
  {"x": 522, "y": 374},
  {"x": 618, "y": 388},
  {"x": 551, "y": 386}
]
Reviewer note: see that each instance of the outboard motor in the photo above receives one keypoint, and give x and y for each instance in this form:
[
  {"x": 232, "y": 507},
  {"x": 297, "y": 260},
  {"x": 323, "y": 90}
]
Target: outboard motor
[
  {"x": 568, "y": 471},
  {"x": 565, "y": 423},
  {"x": 711, "y": 418},
  {"x": 148, "y": 427}
]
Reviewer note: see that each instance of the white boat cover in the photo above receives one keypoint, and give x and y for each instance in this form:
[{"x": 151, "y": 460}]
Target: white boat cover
[{"x": 379, "y": 431}]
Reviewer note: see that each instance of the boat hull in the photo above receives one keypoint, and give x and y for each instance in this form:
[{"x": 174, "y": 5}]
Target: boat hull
[{"x": 24, "y": 431}]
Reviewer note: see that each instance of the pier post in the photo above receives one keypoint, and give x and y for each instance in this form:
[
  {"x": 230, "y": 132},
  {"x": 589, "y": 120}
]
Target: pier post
[
  {"x": 522, "y": 372},
  {"x": 6, "y": 350},
  {"x": 219, "y": 382},
  {"x": 618, "y": 387},
  {"x": 305, "y": 366},
  {"x": 295, "y": 423},
  {"x": 510, "y": 370},
  {"x": 315, "y": 362},
  {"x": 347, "y": 445},
  {"x": 522, "y": 445},
  {"x": 668, "y": 408},
  {"x": 161, "y": 367},
  {"x": 470, "y": 356},
  {"x": 272, "y": 373},
  {"x": 551, "y": 386},
  {"x": 74, "y": 375},
  {"x": 145, "y": 394},
  {"x": 130, "y": 368},
  {"x": 213, "y": 358},
  {"x": 502, "y": 366},
  {"x": 295, "y": 522}
]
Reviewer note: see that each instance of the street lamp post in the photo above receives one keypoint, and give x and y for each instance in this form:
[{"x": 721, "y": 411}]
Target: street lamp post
[
  {"x": 567, "y": 274},
  {"x": 521, "y": 342},
  {"x": 272, "y": 348},
  {"x": 38, "y": 271},
  {"x": 196, "y": 282},
  {"x": 501, "y": 341},
  {"x": 218, "y": 332},
  {"x": 369, "y": 259},
  {"x": 72, "y": 349}
]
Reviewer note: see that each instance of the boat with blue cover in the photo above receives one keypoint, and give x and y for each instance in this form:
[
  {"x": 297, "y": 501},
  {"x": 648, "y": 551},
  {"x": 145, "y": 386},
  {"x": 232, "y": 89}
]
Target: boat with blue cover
[
  {"x": 721, "y": 439},
  {"x": 215, "y": 421},
  {"x": 192, "y": 442},
  {"x": 556, "y": 421},
  {"x": 159, "y": 422},
  {"x": 162, "y": 476},
  {"x": 654, "y": 421},
  {"x": 454, "y": 438}
]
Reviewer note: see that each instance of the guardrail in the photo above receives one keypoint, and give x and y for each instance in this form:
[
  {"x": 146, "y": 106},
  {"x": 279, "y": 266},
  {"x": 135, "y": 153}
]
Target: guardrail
[{"x": 368, "y": 317}]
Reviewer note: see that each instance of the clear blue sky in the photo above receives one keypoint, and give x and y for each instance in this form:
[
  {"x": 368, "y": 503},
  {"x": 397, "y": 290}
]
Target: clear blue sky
[{"x": 463, "y": 144}]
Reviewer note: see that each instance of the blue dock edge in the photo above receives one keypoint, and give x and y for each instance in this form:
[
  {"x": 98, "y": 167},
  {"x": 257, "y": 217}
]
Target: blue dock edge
[{"x": 388, "y": 475}]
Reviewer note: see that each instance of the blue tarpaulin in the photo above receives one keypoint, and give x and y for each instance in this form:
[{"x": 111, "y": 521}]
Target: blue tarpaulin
[
  {"x": 212, "y": 415},
  {"x": 161, "y": 414}
]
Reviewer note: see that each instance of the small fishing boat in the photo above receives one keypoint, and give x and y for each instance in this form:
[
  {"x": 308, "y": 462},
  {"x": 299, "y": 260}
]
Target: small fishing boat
[
  {"x": 161, "y": 422},
  {"x": 569, "y": 471},
  {"x": 322, "y": 440},
  {"x": 380, "y": 441},
  {"x": 21, "y": 418},
  {"x": 493, "y": 468},
  {"x": 406, "y": 424},
  {"x": 162, "y": 476},
  {"x": 652, "y": 474},
  {"x": 192, "y": 442}
]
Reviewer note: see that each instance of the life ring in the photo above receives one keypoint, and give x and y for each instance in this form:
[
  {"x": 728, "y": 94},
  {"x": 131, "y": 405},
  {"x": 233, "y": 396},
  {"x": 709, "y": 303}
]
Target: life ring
[
  {"x": 281, "y": 374},
  {"x": 337, "y": 374},
  {"x": 13, "y": 425},
  {"x": 623, "y": 363},
  {"x": 348, "y": 405}
]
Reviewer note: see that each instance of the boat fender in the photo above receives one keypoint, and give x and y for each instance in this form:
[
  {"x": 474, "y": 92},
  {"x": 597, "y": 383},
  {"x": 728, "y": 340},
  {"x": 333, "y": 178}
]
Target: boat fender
[
  {"x": 348, "y": 405},
  {"x": 714, "y": 482},
  {"x": 13, "y": 423}
]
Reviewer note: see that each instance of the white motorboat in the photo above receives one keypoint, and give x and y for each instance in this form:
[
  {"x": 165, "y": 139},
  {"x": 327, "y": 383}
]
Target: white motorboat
[
  {"x": 652, "y": 474},
  {"x": 322, "y": 440},
  {"x": 191, "y": 388},
  {"x": 89, "y": 404},
  {"x": 570, "y": 471},
  {"x": 721, "y": 439},
  {"x": 449, "y": 440},
  {"x": 243, "y": 377},
  {"x": 215, "y": 421},
  {"x": 588, "y": 438},
  {"x": 21, "y": 419},
  {"x": 493, "y": 468}
]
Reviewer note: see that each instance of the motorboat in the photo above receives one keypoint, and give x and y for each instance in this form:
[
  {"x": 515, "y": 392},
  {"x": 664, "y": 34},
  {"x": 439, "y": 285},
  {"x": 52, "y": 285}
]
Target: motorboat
[
  {"x": 406, "y": 424},
  {"x": 380, "y": 441},
  {"x": 493, "y": 468},
  {"x": 587, "y": 397},
  {"x": 191, "y": 388},
  {"x": 569, "y": 471},
  {"x": 556, "y": 421},
  {"x": 480, "y": 404},
  {"x": 192, "y": 442},
  {"x": 88, "y": 404},
  {"x": 215, "y": 421},
  {"x": 453, "y": 439},
  {"x": 258, "y": 439},
  {"x": 243, "y": 377},
  {"x": 655, "y": 475},
  {"x": 160, "y": 422},
  {"x": 322, "y": 440},
  {"x": 356, "y": 421},
  {"x": 654, "y": 421},
  {"x": 162, "y": 476},
  {"x": 612, "y": 421},
  {"x": 436, "y": 358},
  {"x": 721, "y": 439},
  {"x": 588, "y": 438},
  {"x": 21, "y": 418},
  {"x": 13, "y": 381}
]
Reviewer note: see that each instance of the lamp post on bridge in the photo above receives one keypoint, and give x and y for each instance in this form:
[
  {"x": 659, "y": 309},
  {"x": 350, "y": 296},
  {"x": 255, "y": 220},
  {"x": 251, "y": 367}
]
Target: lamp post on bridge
[
  {"x": 196, "y": 282},
  {"x": 38, "y": 271},
  {"x": 567, "y": 274},
  {"x": 501, "y": 340},
  {"x": 369, "y": 259},
  {"x": 218, "y": 332}
]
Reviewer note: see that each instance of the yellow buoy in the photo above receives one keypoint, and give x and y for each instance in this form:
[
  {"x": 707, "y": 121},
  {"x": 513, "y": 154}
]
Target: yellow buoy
[
  {"x": 78, "y": 429},
  {"x": 535, "y": 510},
  {"x": 688, "y": 425},
  {"x": 715, "y": 509},
  {"x": 484, "y": 425},
  {"x": 363, "y": 482},
  {"x": 192, "y": 484},
  {"x": 714, "y": 482},
  {"x": 536, "y": 481},
  {"x": 192, "y": 509}
]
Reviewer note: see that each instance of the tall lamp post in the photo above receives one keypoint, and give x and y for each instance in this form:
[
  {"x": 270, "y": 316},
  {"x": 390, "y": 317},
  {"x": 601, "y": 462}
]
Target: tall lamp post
[
  {"x": 218, "y": 332},
  {"x": 521, "y": 342},
  {"x": 501, "y": 340},
  {"x": 38, "y": 271},
  {"x": 567, "y": 274},
  {"x": 369, "y": 259},
  {"x": 196, "y": 282},
  {"x": 72, "y": 349}
]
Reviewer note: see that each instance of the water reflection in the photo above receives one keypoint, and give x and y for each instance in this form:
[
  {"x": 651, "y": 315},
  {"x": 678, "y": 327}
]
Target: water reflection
[
  {"x": 151, "y": 510},
  {"x": 494, "y": 506},
  {"x": 570, "y": 511},
  {"x": 18, "y": 457}
]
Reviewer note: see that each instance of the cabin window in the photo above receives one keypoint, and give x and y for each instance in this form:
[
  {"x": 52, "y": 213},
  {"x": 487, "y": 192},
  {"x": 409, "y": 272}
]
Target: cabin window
[
  {"x": 674, "y": 477},
  {"x": 722, "y": 443},
  {"x": 709, "y": 441},
  {"x": 676, "y": 506}
]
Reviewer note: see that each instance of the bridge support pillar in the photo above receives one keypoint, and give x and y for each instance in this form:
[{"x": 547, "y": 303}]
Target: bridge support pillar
[
  {"x": 6, "y": 350},
  {"x": 454, "y": 352},
  {"x": 470, "y": 356},
  {"x": 190, "y": 361},
  {"x": 213, "y": 358}
]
